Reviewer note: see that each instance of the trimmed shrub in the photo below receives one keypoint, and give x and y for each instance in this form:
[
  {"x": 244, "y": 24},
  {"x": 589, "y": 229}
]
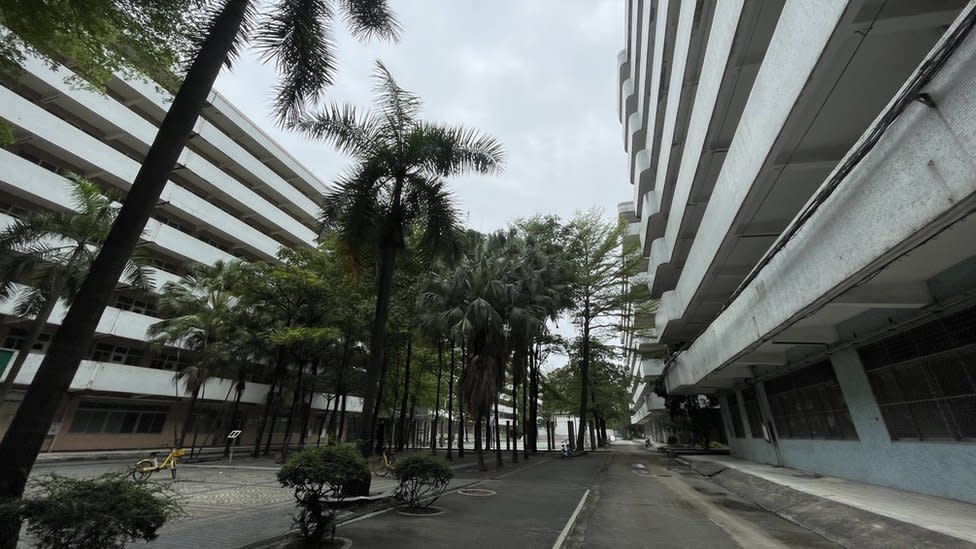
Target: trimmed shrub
[
  {"x": 423, "y": 478},
  {"x": 104, "y": 512},
  {"x": 318, "y": 477}
]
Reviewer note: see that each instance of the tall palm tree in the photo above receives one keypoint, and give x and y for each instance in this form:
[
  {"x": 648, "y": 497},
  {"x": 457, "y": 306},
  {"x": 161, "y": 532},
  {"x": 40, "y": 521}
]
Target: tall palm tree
[
  {"x": 296, "y": 36},
  {"x": 396, "y": 183},
  {"x": 201, "y": 314},
  {"x": 44, "y": 257}
]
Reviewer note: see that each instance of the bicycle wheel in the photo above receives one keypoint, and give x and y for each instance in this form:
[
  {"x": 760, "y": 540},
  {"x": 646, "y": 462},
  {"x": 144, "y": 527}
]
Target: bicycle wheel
[{"x": 142, "y": 469}]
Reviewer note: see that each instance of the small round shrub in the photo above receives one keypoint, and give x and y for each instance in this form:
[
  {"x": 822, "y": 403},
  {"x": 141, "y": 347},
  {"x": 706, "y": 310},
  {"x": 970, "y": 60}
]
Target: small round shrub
[
  {"x": 105, "y": 512},
  {"x": 318, "y": 476},
  {"x": 423, "y": 478}
]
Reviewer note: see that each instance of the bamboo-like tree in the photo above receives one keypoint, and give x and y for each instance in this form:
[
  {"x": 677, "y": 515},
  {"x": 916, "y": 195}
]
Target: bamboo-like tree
[
  {"x": 296, "y": 36},
  {"x": 45, "y": 256},
  {"x": 396, "y": 184}
]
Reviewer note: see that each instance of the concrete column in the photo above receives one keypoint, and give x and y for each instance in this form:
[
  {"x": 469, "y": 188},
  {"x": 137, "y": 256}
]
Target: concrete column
[
  {"x": 865, "y": 414},
  {"x": 723, "y": 407}
]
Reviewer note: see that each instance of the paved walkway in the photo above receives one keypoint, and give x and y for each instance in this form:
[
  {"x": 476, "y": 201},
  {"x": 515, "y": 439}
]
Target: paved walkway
[{"x": 947, "y": 516}]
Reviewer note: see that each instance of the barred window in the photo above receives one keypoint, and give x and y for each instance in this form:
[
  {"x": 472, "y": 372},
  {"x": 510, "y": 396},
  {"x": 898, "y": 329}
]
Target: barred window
[
  {"x": 752, "y": 412},
  {"x": 736, "y": 416},
  {"x": 928, "y": 398},
  {"x": 808, "y": 404},
  {"x": 99, "y": 417}
]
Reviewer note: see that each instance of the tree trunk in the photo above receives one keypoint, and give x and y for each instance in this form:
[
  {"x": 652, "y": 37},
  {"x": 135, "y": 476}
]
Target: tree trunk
[
  {"x": 498, "y": 436},
  {"x": 27, "y": 430},
  {"x": 450, "y": 405},
  {"x": 307, "y": 407},
  {"x": 437, "y": 397},
  {"x": 584, "y": 379},
  {"x": 478, "y": 450},
  {"x": 296, "y": 397},
  {"x": 460, "y": 399},
  {"x": 341, "y": 432},
  {"x": 515, "y": 416},
  {"x": 189, "y": 420},
  {"x": 234, "y": 415},
  {"x": 269, "y": 400},
  {"x": 374, "y": 363},
  {"x": 534, "y": 401},
  {"x": 401, "y": 438},
  {"x": 525, "y": 408}
]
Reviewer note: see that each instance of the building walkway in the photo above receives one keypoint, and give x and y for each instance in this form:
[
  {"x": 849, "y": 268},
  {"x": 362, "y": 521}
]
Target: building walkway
[{"x": 889, "y": 507}]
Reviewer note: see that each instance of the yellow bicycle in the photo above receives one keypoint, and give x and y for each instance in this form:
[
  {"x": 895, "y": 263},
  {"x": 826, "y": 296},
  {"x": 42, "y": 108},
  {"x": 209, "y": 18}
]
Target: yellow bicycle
[
  {"x": 146, "y": 467},
  {"x": 384, "y": 465}
]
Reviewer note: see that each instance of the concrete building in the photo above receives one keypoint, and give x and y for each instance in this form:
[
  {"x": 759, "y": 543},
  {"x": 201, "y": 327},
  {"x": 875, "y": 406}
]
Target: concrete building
[
  {"x": 235, "y": 194},
  {"x": 804, "y": 179}
]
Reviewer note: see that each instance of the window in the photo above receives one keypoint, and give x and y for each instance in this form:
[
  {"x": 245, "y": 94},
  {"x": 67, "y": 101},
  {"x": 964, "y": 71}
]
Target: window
[
  {"x": 140, "y": 306},
  {"x": 106, "y": 352},
  {"x": 736, "y": 416},
  {"x": 808, "y": 404},
  {"x": 752, "y": 412},
  {"x": 168, "y": 361},
  {"x": 98, "y": 417},
  {"x": 924, "y": 380}
]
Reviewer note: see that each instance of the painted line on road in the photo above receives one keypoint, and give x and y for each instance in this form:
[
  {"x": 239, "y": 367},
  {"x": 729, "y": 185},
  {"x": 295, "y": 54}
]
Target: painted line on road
[
  {"x": 520, "y": 469},
  {"x": 572, "y": 520}
]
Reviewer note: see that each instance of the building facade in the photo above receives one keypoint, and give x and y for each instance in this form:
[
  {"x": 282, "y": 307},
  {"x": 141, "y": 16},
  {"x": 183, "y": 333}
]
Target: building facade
[
  {"x": 804, "y": 179},
  {"x": 235, "y": 194}
]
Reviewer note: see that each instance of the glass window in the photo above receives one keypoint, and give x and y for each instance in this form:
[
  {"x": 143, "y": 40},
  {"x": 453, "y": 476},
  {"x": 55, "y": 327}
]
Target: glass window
[{"x": 809, "y": 404}]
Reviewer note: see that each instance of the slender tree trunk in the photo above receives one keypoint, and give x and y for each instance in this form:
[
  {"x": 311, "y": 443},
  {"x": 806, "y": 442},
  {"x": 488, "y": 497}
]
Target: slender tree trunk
[
  {"x": 412, "y": 426},
  {"x": 534, "y": 401},
  {"x": 342, "y": 419},
  {"x": 377, "y": 342},
  {"x": 401, "y": 438},
  {"x": 295, "y": 399},
  {"x": 584, "y": 378},
  {"x": 525, "y": 408},
  {"x": 189, "y": 420},
  {"x": 307, "y": 407},
  {"x": 515, "y": 456},
  {"x": 279, "y": 397},
  {"x": 478, "y": 450},
  {"x": 437, "y": 397},
  {"x": 234, "y": 417},
  {"x": 461, "y": 426},
  {"x": 270, "y": 400},
  {"x": 450, "y": 405},
  {"x": 379, "y": 399},
  {"x": 498, "y": 436},
  {"x": 27, "y": 430}
]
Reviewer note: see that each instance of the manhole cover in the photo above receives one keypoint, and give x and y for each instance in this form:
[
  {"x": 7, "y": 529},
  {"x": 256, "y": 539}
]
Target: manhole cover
[{"x": 476, "y": 492}]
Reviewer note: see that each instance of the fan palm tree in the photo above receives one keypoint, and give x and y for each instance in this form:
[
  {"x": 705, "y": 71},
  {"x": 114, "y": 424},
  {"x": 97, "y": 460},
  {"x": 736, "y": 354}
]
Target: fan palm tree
[
  {"x": 46, "y": 255},
  {"x": 293, "y": 34},
  {"x": 396, "y": 183},
  {"x": 202, "y": 308}
]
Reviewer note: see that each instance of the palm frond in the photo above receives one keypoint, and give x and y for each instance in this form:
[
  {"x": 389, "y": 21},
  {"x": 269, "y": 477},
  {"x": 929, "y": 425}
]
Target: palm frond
[
  {"x": 371, "y": 18},
  {"x": 450, "y": 150},
  {"x": 344, "y": 127},
  {"x": 214, "y": 15},
  {"x": 399, "y": 106},
  {"x": 297, "y": 36}
]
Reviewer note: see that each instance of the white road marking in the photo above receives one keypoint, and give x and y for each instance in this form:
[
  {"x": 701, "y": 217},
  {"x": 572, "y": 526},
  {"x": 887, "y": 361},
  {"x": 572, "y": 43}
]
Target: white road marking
[{"x": 572, "y": 520}]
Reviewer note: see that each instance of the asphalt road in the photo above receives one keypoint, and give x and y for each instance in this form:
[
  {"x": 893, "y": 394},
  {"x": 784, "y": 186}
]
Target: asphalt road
[{"x": 634, "y": 499}]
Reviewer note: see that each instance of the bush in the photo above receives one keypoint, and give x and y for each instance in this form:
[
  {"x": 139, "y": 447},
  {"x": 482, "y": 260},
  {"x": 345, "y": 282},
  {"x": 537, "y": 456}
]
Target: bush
[
  {"x": 423, "y": 479},
  {"x": 104, "y": 512},
  {"x": 672, "y": 440},
  {"x": 318, "y": 476}
]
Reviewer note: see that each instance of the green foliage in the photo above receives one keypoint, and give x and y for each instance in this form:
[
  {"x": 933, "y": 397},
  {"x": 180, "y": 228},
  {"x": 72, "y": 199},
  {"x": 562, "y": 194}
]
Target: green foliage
[
  {"x": 423, "y": 478},
  {"x": 101, "y": 513},
  {"x": 317, "y": 476},
  {"x": 99, "y": 38}
]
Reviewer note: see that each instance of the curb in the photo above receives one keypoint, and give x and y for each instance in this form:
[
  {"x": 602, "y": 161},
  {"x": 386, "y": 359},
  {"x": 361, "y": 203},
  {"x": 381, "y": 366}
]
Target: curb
[{"x": 840, "y": 523}]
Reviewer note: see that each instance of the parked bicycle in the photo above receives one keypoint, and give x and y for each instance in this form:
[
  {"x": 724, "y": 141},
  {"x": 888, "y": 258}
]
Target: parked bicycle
[
  {"x": 144, "y": 468},
  {"x": 384, "y": 464}
]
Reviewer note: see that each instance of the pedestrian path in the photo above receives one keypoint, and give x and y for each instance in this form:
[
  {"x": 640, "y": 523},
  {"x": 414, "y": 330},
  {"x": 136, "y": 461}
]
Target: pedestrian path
[{"x": 946, "y": 516}]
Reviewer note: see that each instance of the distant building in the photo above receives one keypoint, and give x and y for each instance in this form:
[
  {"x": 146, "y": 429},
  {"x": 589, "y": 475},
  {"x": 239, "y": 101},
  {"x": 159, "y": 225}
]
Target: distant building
[
  {"x": 235, "y": 194},
  {"x": 804, "y": 179}
]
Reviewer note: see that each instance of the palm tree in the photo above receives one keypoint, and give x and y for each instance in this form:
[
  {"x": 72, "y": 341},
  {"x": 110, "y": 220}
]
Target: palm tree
[
  {"x": 46, "y": 255},
  {"x": 296, "y": 36},
  {"x": 201, "y": 305},
  {"x": 396, "y": 183}
]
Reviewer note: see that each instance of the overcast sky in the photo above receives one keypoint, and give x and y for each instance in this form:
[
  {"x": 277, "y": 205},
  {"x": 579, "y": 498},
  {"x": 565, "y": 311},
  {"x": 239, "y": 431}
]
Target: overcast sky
[{"x": 539, "y": 75}]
